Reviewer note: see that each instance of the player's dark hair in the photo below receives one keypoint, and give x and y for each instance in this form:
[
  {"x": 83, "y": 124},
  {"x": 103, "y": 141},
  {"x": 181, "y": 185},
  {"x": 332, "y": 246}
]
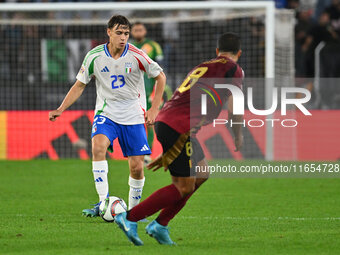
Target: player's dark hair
[
  {"x": 229, "y": 42},
  {"x": 118, "y": 20}
]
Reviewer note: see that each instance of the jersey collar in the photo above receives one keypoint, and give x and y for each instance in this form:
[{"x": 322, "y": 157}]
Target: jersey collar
[{"x": 108, "y": 53}]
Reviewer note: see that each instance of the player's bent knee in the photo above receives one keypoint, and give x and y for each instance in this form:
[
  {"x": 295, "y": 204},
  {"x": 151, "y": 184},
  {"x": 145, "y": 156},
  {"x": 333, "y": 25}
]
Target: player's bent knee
[
  {"x": 136, "y": 171},
  {"x": 186, "y": 190},
  {"x": 98, "y": 152},
  {"x": 136, "y": 167}
]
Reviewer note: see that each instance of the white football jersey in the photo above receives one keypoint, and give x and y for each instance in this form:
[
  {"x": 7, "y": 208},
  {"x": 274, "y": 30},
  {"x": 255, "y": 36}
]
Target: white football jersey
[{"x": 119, "y": 82}]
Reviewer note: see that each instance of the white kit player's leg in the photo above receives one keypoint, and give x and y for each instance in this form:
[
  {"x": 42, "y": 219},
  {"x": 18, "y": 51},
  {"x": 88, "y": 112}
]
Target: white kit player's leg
[
  {"x": 100, "y": 170},
  {"x": 136, "y": 190},
  {"x": 137, "y": 147}
]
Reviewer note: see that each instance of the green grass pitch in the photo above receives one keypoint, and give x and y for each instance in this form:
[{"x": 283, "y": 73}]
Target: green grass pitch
[{"x": 41, "y": 203}]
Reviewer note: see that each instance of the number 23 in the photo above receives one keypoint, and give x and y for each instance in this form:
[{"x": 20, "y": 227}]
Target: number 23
[{"x": 119, "y": 78}]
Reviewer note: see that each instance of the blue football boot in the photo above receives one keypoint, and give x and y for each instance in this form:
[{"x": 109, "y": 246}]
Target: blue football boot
[
  {"x": 159, "y": 232},
  {"x": 129, "y": 228},
  {"x": 94, "y": 212}
]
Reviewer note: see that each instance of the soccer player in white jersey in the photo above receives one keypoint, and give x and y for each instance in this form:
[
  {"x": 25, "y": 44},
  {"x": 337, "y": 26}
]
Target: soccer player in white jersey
[{"x": 118, "y": 68}]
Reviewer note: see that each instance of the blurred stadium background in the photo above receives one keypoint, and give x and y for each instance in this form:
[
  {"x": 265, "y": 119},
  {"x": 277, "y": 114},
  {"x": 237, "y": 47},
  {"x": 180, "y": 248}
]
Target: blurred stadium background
[
  {"x": 41, "y": 200},
  {"x": 42, "y": 50}
]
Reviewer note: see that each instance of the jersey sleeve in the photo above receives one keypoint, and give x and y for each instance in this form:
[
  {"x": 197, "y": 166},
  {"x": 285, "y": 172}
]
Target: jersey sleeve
[
  {"x": 146, "y": 64},
  {"x": 153, "y": 69},
  {"x": 239, "y": 76},
  {"x": 85, "y": 73}
]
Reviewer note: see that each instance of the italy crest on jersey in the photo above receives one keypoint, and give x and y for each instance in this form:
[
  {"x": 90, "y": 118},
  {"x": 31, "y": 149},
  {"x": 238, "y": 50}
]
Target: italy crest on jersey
[{"x": 128, "y": 67}]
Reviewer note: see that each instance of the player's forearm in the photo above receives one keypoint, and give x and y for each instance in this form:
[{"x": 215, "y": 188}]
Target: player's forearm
[
  {"x": 72, "y": 96},
  {"x": 159, "y": 90}
]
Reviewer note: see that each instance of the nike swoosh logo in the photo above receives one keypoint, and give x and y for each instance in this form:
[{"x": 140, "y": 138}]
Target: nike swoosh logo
[{"x": 125, "y": 228}]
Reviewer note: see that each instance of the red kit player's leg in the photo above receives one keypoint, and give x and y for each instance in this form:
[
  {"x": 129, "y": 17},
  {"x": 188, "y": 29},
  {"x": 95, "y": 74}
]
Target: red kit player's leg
[
  {"x": 162, "y": 198},
  {"x": 170, "y": 212},
  {"x": 158, "y": 200}
]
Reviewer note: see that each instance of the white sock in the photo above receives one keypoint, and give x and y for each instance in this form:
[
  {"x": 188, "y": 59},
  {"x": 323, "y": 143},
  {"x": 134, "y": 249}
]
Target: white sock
[
  {"x": 100, "y": 170},
  {"x": 136, "y": 189}
]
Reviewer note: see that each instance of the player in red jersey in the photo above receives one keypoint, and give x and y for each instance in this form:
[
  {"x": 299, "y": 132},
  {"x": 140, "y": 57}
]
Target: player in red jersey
[{"x": 176, "y": 126}]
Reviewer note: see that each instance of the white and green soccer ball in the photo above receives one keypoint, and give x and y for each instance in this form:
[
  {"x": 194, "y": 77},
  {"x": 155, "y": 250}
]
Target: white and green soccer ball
[{"x": 110, "y": 207}]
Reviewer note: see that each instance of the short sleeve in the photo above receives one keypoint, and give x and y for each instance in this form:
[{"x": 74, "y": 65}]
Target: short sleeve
[
  {"x": 153, "y": 69},
  {"x": 83, "y": 76},
  {"x": 146, "y": 64},
  {"x": 149, "y": 66},
  {"x": 239, "y": 77},
  {"x": 86, "y": 71}
]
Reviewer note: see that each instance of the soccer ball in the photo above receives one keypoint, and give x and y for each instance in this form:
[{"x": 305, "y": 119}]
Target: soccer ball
[{"x": 110, "y": 207}]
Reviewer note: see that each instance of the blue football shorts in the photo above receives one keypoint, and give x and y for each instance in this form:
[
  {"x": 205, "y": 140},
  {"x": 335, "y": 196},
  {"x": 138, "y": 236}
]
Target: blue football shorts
[{"x": 132, "y": 138}]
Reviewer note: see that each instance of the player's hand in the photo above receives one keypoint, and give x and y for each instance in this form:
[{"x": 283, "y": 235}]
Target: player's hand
[
  {"x": 238, "y": 142},
  {"x": 156, "y": 164},
  {"x": 150, "y": 116},
  {"x": 53, "y": 115}
]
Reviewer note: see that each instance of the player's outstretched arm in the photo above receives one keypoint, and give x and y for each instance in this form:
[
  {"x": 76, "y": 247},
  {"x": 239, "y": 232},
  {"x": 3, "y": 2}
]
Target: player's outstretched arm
[
  {"x": 72, "y": 96},
  {"x": 151, "y": 114},
  {"x": 237, "y": 128}
]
